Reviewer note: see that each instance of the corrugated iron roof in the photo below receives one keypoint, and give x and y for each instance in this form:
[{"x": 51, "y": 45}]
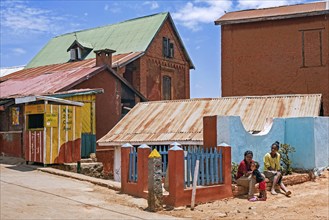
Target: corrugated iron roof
[
  {"x": 43, "y": 81},
  {"x": 182, "y": 120},
  {"x": 134, "y": 35},
  {"x": 275, "y": 13},
  {"x": 46, "y": 83},
  {"x": 117, "y": 61}
]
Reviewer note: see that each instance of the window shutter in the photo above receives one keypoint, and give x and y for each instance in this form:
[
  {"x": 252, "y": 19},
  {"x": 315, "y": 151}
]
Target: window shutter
[
  {"x": 166, "y": 88},
  {"x": 171, "y": 50},
  {"x": 165, "y": 46},
  {"x": 79, "y": 53},
  {"x": 72, "y": 54}
]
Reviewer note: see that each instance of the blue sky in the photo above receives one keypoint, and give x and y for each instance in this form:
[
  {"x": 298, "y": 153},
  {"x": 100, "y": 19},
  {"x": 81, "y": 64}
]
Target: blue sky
[{"x": 26, "y": 26}]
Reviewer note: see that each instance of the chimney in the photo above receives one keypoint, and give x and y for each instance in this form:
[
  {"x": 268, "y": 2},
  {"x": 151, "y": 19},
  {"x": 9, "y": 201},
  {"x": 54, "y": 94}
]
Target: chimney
[{"x": 104, "y": 57}]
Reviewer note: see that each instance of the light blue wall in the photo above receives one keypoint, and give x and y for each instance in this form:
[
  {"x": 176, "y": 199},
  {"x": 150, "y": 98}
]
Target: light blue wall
[
  {"x": 321, "y": 137},
  {"x": 300, "y": 135},
  {"x": 308, "y": 135}
]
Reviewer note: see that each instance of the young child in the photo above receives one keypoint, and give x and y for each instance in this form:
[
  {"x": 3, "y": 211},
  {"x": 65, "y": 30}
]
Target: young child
[{"x": 259, "y": 179}]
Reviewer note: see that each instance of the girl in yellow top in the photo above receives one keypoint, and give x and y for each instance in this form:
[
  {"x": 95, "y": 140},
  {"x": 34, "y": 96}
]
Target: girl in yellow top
[{"x": 272, "y": 169}]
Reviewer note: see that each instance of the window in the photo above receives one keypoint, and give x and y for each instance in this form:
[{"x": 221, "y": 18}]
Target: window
[
  {"x": 167, "y": 48},
  {"x": 35, "y": 121},
  {"x": 166, "y": 88},
  {"x": 312, "y": 48},
  {"x": 75, "y": 53}
]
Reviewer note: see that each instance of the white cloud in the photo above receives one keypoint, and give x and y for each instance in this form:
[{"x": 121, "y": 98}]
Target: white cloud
[
  {"x": 201, "y": 11},
  {"x": 19, "y": 51},
  {"x": 19, "y": 18},
  {"x": 153, "y": 4},
  {"x": 85, "y": 14},
  {"x": 254, "y": 4},
  {"x": 112, "y": 8}
]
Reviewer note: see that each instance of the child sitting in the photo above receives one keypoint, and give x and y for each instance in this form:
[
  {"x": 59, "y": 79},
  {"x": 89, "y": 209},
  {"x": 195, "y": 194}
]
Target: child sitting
[{"x": 259, "y": 179}]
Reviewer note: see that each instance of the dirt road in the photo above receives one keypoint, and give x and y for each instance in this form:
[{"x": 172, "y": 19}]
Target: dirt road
[
  {"x": 30, "y": 194},
  {"x": 309, "y": 200}
]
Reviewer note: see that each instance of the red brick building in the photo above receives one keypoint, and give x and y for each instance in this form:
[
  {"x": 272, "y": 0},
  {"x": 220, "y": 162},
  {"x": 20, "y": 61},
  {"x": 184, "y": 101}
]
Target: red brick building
[
  {"x": 145, "y": 57},
  {"x": 148, "y": 53},
  {"x": 281, "y": 50}
]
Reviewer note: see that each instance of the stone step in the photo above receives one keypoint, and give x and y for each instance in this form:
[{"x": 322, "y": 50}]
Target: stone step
[{"x": 87, "y": 160}]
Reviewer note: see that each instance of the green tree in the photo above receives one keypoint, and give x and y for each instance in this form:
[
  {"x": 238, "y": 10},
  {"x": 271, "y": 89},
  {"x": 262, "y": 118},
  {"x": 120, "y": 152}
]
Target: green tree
[{"x": 284, "y": 151}]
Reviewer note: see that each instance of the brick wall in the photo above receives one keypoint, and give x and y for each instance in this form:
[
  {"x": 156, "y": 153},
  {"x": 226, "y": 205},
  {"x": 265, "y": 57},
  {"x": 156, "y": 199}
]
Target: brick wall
[
  {"x": 276, "y": 57},
  {"x": 148, "y": 71}
]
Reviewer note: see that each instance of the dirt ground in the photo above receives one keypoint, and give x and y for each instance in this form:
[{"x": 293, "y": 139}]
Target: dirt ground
[{"x": 310, "y": 200}]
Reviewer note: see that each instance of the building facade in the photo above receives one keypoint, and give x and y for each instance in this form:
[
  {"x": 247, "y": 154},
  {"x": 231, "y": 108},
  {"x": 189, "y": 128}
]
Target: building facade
[{"x": 282, "y": 50}]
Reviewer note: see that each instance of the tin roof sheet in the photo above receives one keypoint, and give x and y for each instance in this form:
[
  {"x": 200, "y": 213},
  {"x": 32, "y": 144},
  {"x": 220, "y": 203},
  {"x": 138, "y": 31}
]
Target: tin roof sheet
[
  {"x": 44, "y": 83},
  {"x": 181, "y": 120},
  {"x": 274, "y": 13},
  {"x": 117, "y": 61},
  {"x": 133, "y": 35}
]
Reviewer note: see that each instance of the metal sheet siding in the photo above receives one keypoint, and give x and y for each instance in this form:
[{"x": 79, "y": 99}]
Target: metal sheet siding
[
  {"x": 58, "y": 144},
  {"x": 88, "y": 120},
  {"x": 181, "y": 120}
]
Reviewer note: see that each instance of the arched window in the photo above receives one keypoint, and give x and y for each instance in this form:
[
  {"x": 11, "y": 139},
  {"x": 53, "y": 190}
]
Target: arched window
[{"x": 166, "y": 88}]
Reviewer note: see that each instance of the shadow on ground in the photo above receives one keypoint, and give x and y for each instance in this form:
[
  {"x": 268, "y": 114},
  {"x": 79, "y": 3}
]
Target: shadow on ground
[{"x": 16, "y": 163}]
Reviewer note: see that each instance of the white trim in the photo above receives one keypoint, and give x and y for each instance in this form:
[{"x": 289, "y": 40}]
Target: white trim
[
  {"x": 30, "y": 148},
  {"x": 51, "y": 139},
  {"x": 59, "y": 129},
  {"x": 66, "y": 118},
  {"x": 73, "y": 124},
  {"x": 35, "y": 145},
  {"x": 27, "y": 99},
  {"x": 150, "y": 143},
  {"x": 44, "y": 139}
]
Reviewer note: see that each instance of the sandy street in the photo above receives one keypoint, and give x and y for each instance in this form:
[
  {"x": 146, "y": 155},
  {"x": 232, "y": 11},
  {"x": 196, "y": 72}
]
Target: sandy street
[
  {"x": 30, "y": 194},
  {"x": 310, "y": 200}
]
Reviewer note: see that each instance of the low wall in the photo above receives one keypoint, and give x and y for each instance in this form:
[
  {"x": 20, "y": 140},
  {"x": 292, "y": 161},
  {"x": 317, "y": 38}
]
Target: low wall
[
  {"x": 178, "y": 196},
  {"x": 308, "y": 135},
  {"x": 11, "y": 143}
]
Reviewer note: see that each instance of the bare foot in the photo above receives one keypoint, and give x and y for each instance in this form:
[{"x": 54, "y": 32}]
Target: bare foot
[
  {"x": 288, "y": 193},
  {"x": 273, "y": 192}
]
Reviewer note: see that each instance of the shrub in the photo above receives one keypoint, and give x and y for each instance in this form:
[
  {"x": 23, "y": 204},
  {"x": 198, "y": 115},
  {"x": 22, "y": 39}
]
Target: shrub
[
  {"x": 285, "y": 150},
  {"x": 234, "y": 170}
]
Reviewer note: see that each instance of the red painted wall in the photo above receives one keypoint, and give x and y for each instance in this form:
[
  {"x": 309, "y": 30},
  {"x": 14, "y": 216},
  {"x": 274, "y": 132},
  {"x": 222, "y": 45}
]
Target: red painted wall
[
  {"x": 108, "y": 104},
  {"x": 11, "y": 143},
  {"x": 264, "y": 58}
]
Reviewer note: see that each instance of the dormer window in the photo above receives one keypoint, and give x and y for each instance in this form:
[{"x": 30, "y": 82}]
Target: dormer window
[
  {"x": 79, "y": 50},
  {"x": 75, "y": 53},
  {"x": 167, "y": 48}
]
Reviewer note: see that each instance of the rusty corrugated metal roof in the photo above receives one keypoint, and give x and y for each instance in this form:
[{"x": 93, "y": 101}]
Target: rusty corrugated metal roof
[
  {"x": 275, "y": 13},
  {"x": 181, "y": 120},
  {"x": 117, "y": 61},
  {"x": 46, "y": 83}
]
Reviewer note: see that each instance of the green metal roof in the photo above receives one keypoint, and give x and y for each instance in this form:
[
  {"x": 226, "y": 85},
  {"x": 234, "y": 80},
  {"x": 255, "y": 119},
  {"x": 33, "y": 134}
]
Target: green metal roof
[{"x": 129, "y": 36}]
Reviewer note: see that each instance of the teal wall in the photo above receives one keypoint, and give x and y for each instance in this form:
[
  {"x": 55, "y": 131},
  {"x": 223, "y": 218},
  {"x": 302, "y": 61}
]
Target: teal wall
[{"x": 309, "y": 136}]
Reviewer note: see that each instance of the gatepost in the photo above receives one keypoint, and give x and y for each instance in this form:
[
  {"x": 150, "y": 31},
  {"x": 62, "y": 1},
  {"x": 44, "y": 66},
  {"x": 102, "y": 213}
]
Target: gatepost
[{"x": 155, "y": 195}]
